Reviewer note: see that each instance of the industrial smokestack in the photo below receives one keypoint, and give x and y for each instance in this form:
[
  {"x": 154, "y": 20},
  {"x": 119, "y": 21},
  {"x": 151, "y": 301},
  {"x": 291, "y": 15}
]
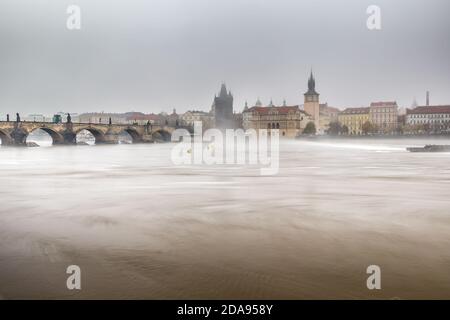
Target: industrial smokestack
[{"x": 428, "y": 98}]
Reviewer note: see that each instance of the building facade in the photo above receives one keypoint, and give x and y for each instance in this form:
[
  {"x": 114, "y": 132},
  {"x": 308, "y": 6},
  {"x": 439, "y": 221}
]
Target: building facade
[
  {"x": 384, "y": 116},
  {"x": 289, "y": 120},
  {"x": 141, "y": 119},
  {"x": 431, "y": 119},
  {"x": 190, "y": 117},
  {"x": 37, "y": 117},
  {"x": 354, "y": 119},
  {"x": 103, "y": 117},
  {"x": 327, "y": 115}
]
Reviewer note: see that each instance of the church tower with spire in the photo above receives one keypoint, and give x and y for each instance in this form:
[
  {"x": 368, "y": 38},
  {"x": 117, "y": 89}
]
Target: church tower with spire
[
  {"x": 222, "y": 109},
  {"x": 311, "y": 105}
]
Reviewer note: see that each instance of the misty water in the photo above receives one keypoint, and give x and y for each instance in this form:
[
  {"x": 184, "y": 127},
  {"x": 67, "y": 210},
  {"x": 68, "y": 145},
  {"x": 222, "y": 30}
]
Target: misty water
[{"x": 140, "y": 227}]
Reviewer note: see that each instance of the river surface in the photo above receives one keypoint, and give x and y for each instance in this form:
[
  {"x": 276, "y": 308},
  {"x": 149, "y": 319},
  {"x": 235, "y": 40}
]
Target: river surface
[{"x": 140, "y": 227}]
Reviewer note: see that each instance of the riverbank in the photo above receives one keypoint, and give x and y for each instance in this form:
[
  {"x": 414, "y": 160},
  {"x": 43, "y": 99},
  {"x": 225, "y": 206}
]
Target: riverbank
[{"x": 374, "y": 137}]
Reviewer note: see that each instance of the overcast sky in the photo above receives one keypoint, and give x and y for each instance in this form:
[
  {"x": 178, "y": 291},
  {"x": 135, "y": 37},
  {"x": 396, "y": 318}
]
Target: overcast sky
[{"x": 155, "y": 55}]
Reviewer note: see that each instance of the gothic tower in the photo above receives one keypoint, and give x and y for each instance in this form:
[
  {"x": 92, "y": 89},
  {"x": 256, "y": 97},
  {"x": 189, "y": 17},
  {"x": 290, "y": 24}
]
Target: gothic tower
[
  {"x": 222, "y": 109},
  {"x": 311, "y": 105}
]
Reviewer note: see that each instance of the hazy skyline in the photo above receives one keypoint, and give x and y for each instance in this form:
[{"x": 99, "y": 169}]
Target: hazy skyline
[{"x": 157, "y": 55}]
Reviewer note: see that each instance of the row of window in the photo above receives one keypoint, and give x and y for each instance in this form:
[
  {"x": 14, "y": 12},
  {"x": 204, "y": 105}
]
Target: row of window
[
  {"x": 273, "y": 126},
  {"x": 429, "y": 115},
  {"x": 280, "y": 118},
  {"x": 360, "y": 118},
  {"x": 388, "y": 110},
  {"x": 379, "y": 121},
  {"x": 384, "y": 117},
  {"x": 429, "y": 121}
]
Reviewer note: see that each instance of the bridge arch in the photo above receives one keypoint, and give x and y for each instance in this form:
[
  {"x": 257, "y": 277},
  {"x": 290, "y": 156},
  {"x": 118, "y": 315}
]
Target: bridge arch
[
  {"x": 98, "y": 135},
  {"x": 162, "y": 135},
  {"x": 5, "y": 138},
  {"x": 135, "y": 136},
  {"x": 56, "y": 137}
]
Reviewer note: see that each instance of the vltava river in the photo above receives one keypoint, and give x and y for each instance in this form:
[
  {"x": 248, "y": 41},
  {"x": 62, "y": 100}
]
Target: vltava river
[{"x": 140, "y": 227}]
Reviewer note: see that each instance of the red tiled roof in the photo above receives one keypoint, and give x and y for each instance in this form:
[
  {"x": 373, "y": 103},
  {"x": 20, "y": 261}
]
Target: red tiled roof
[
  {"x": 327, "y": 109},
  {"x": 383, "y": 104},
  {"x": 429, "y": 109},
  {"x": 355, "y": 110},
  {"x": 282, "y": 109}
]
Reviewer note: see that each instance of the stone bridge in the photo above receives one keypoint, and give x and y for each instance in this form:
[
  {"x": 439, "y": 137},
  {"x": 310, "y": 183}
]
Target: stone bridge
[{"x": 15, "y": 133}]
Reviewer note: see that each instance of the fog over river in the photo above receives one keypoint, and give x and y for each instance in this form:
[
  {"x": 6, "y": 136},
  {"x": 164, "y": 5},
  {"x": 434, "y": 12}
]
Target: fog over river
[{"x": 140, "y": 227}]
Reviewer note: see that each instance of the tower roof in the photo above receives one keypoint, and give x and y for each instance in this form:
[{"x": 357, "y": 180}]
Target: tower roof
[
  {"x": 311, "y": 85},
  {"x": 223, "y": 90}
]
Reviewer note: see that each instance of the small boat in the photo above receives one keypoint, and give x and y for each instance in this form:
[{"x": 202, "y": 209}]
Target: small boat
[{"x": 430, "y": 148}]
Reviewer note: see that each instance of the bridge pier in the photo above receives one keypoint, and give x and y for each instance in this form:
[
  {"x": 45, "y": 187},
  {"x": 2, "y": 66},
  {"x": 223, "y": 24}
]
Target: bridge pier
[
  {"x": 69, "y": 138},
  {"x": 147, "y": 138},
  {"x": 18, "y": 137},
  {"x": 109, "y": 138}
]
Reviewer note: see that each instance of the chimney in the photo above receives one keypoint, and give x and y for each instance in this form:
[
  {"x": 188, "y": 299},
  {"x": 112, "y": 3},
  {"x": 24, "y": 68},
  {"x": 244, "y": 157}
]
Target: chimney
[{"x": 428, "y": 98}]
